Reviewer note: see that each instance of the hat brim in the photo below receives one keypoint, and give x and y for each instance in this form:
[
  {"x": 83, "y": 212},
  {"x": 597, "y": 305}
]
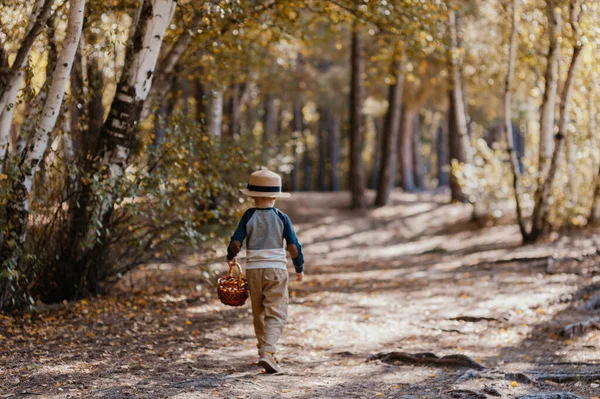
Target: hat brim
[{"x": 251, "y": 193}]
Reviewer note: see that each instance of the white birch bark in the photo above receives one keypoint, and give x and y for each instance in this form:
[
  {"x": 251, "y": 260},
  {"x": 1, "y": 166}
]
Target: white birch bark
[
  {"x": 11, "y": 81},
  {"x": 215, "y": 118},
  {"x": 550, "y": 90},
  {"x": 456, "y": 82},
  {"x": 539, "y": 222},
  {"x": 166, "y": 68},
  {"x": 118, "y": 131},
  {"x": 60, "y": 77}
]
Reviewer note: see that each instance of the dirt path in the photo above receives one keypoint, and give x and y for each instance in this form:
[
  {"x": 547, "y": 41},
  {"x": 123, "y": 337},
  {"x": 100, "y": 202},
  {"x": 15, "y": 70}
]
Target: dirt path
[{"x": 390, "y": 279}]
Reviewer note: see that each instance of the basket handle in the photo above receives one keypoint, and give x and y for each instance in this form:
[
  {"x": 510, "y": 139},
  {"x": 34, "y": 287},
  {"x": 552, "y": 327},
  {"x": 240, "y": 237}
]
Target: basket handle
[{"x": 239, "y": 269}]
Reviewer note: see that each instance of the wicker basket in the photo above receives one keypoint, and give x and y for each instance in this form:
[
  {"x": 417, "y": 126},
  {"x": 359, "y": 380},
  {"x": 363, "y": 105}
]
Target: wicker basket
[{"x": 233, "y": 291}]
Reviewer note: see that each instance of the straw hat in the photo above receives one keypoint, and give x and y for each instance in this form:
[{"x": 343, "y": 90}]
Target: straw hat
[{"x": 264, "y": 183}]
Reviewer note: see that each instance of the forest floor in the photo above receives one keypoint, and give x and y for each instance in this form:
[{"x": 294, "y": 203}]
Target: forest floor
[{"x": 382, "y": 280}]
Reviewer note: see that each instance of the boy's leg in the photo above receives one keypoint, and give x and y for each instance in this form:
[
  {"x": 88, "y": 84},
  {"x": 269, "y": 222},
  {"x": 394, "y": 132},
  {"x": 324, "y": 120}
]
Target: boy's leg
[
  {"x": 255, "y": 278},
  {"x": 275, "y": 291}
]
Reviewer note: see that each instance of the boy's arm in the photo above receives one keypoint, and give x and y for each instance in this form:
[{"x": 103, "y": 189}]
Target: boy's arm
[
  {"x": 293, "y": 245},
  {"x": 235, "y": 244}
]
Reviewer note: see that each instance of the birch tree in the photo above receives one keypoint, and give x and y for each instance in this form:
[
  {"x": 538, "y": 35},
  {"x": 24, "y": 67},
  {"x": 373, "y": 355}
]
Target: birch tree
[
  {"x": 540, "y": 212},
  {"x": 11, "y": 77},
  {"x": 215, "y": 114},
  {"x": 17, "y": 208},
  {"x": 550, "y": 89},
  {"x": 118, "y": 136}
]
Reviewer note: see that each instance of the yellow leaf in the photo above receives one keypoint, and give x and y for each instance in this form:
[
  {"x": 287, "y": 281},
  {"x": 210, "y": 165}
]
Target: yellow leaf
[
  {"x": 379, "y": 394},
  {"x": 569, "y": 342},
  {"x": 84, "y": 302},
  {"x": 58, "y": 384},
  {"x": 514, "y": 384},
  {"x": 3, "y": 176},
  {"x": 188, "y": 322}
]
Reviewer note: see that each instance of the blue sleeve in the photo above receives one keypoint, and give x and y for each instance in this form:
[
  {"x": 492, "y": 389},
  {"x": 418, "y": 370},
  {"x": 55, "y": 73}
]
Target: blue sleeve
[
  {"x": 238, "y": 237},
  {"x": 291, "y": 239}
]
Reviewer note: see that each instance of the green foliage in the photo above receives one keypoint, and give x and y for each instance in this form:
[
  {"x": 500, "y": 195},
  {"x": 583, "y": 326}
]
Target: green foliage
[{"x": 178, "y": 197}]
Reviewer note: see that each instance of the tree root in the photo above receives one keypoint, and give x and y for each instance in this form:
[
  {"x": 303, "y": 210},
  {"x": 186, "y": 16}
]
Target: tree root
[
  {"x": 557, "y": 395},
  {"x": 567, "y": 377},
  {"x": 580, "y": 328},
  {"x": 492, "y": 391},
  {"x": 593, "y": 303},
  {"x": 518, "y": 377},
  {"x": 473, "y": 319},
  {"x": 466, "y": 394},
  {"x": 428, "y": 359}
]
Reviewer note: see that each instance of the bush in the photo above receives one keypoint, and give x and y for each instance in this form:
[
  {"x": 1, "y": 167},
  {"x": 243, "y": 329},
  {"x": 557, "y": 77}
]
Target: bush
[{"x": 178, "y": 196}]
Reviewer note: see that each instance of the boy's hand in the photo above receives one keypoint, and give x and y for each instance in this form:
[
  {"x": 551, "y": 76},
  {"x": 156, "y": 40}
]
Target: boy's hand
[
  {"x": 299, "y": 277},
  {"x": 231, "y": 262}
]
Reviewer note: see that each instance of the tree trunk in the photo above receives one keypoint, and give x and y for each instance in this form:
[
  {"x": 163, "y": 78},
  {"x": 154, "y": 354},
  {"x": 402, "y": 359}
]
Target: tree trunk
[
  {"x": 356, "y": 167},
  {"x": 593, "y": 217},
  {"x": 443, "y": 160},
  {"x": 77, "y": 100},
  {"x": 165, "y": 74},
  {"x": 307, "y": 166},
  {"x": 376, "y": 153},
  {"x": 200, "y": 109},
  {"x": 270, "y": 121},
  {"x": 551, "y": 87},
  {"x": 11, "y": 77},
  {"x": 333, "y": 139},
  {"x": 455, "y": 149},
  {"x": 215, "y": 118},
  {"x": 184, "y": 83},
  {"x": 460, "y": 143},
  {"x": 540, "y": 211},
  {"x": 297, "y": 127},
  {"x": 418, "y": 167},
  {"x": 235, "y": 114},
  {"x": 407, "y": 181},
  {"x": 508, "y": 126},
  {"x": 17, "y": 208},
  {"x": 118, "y": 138},
  {"x": 456, "y": 85},
  {"x": 321, "y": 180}
]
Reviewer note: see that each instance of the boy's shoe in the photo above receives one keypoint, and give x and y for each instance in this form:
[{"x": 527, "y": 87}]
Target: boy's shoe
[{"x": 269, "y": 363}]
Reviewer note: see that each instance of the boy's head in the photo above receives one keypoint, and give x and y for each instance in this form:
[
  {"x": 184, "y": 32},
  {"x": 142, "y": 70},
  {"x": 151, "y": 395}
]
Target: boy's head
[{"x": 264, "y": 187}]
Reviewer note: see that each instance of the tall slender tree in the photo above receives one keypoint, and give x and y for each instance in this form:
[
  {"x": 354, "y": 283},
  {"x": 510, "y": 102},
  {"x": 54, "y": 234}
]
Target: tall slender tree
[
  {"x": 17, "y": 208},
  {"x": 550, "y": 90},
  {"x": 356, "y": 167},
  {"x": 391, "y": 128},
  {"x": 540, "y": 211},
  {"x": 508, "y": 126}
]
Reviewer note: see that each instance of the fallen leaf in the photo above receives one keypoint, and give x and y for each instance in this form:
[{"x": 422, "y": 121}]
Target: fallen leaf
[{"x": 514, "y": 384}]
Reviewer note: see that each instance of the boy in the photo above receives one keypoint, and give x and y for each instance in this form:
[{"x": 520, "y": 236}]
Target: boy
[{"x": 265, "y": 228}]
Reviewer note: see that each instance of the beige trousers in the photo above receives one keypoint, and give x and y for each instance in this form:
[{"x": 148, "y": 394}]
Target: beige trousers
[{"x": 269, "y": 295}]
